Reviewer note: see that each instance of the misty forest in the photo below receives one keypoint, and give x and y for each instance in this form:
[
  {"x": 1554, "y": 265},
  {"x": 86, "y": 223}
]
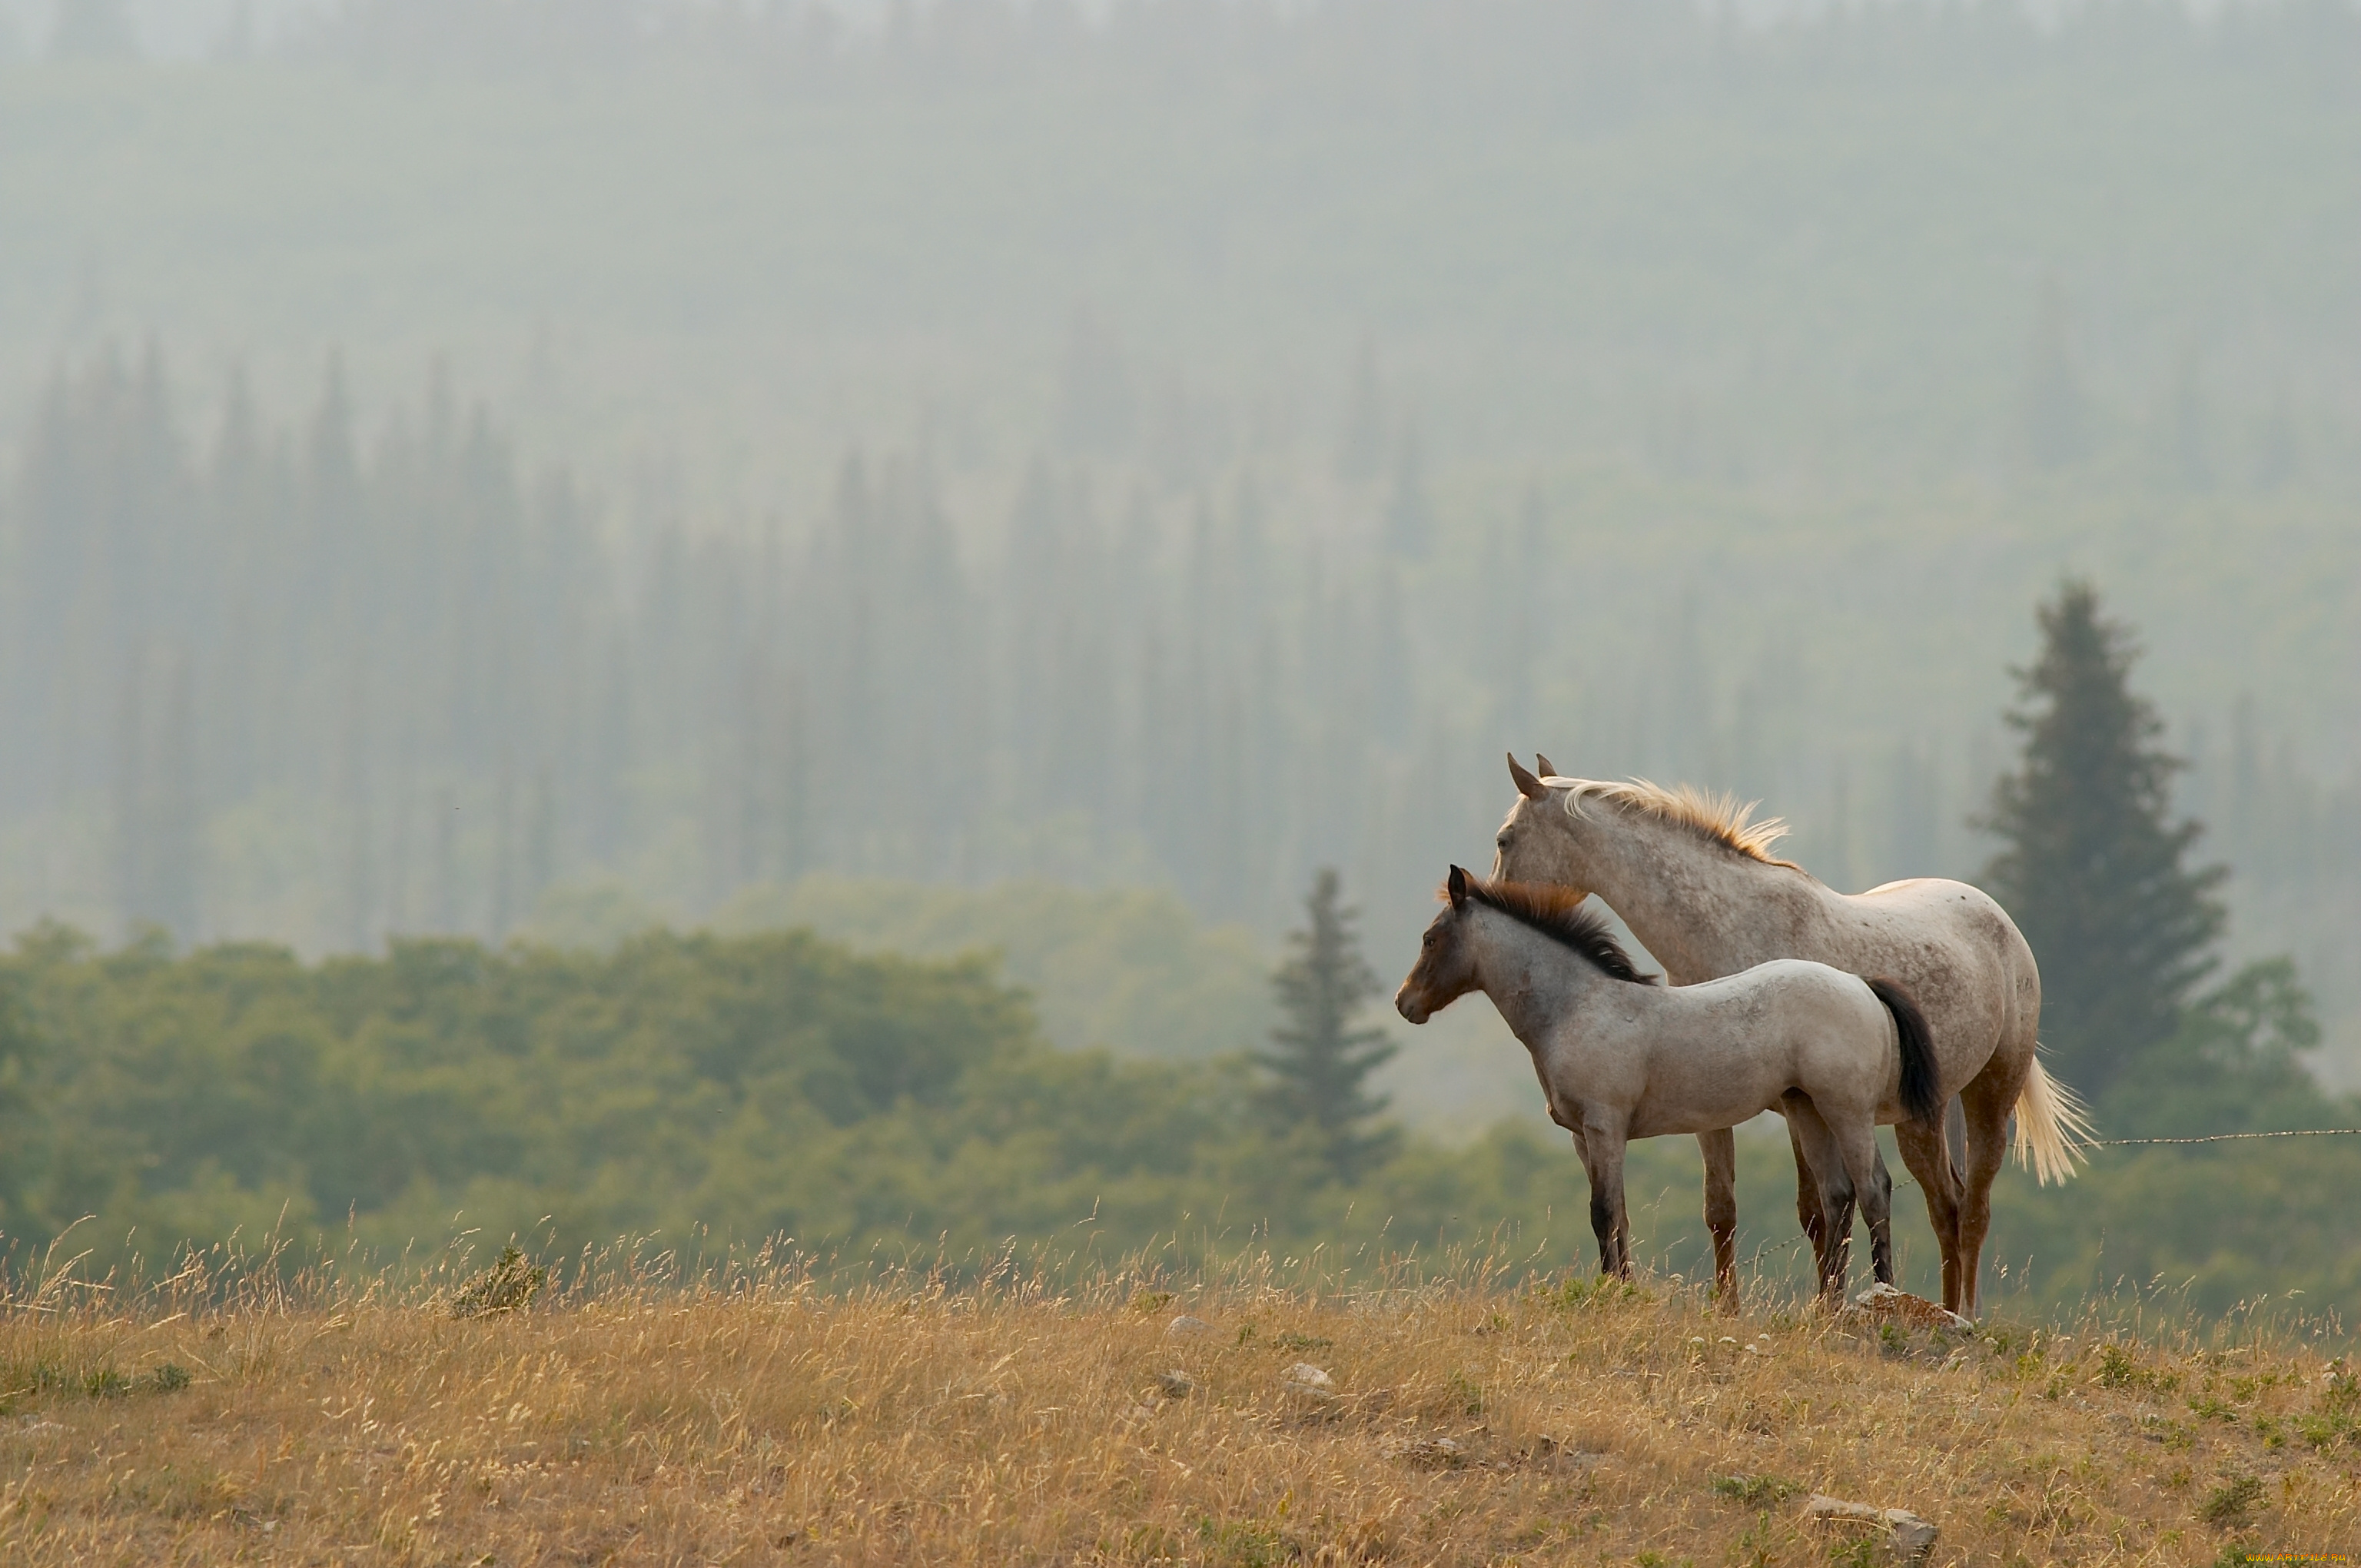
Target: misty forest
[{"x": 734, "y": 619}]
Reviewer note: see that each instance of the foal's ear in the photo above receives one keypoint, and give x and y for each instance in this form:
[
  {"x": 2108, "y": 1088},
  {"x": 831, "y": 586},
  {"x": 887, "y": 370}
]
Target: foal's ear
[
  {"x": 1527, "y": 785},
  {"x": 1549, "y": 770},
  {"x": 1455, "y": 885}
]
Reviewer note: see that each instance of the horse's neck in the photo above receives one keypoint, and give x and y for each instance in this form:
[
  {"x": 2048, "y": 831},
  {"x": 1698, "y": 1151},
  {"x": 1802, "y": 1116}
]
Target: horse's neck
[
  {"x": 1538, "y": 985},
  {"x": 1700, "y": 909}
]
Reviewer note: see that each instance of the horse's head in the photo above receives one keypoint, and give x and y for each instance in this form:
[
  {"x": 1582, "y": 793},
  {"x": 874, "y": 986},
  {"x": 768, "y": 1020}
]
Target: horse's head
[
  {"x": 1536, "y": 843},
  {"x": 1445, "y": 970}
]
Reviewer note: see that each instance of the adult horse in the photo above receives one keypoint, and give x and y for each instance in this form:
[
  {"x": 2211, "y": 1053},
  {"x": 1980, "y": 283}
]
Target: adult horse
[
  {"x": 1620, "y": 1058},
  {"x": 1694, "y": 880}
]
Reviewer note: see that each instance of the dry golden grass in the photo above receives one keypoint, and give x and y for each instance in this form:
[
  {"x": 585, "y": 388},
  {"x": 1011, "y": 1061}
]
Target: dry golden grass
[{"x": 756, "y": 1417}]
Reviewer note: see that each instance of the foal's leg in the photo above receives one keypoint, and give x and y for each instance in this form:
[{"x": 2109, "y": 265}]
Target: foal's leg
[
  {"x": 1818, "y": 1145},
  {"x": 1602, "y": 1157},
  {"x": 1810, "y": 1203},
  {"x": 1720, "y": 1151},
  {"x": 1807, "y": 1200},
  {"x": 1582, "y": 1153},
  {"x": 1811, "y": 1157},
  {"x": 1857, "y": 1142}
]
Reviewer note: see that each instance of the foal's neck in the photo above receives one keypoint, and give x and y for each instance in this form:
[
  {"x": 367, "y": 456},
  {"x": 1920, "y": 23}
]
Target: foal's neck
[
  {"x": 1703, "y": 910},
  {"x": 1537, "y": 983}
]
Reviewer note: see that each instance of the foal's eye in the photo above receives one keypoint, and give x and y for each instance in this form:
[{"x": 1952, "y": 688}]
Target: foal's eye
[
  {"x": 1501, "y": 842},
  {"x": 1427, "y": 940}
]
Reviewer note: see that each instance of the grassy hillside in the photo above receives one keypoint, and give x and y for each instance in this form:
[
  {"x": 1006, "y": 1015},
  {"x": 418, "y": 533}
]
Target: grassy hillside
[{"x": 758, "y": 1416}]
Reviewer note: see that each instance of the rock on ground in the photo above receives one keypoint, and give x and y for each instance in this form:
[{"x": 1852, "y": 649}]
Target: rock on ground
[
  {"x": 1884, "y": 1303},
  {"x": 1911, "y": 1535},
  {"x": 1305, "y": 1378}
]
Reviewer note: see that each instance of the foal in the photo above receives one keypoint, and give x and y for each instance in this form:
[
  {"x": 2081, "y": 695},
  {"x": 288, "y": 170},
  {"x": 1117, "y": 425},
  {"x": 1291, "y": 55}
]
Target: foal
[{"x": 1620, "y": 1057}]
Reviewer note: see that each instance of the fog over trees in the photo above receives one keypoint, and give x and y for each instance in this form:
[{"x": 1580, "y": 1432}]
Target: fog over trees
[{"x": 461, "y": 456}]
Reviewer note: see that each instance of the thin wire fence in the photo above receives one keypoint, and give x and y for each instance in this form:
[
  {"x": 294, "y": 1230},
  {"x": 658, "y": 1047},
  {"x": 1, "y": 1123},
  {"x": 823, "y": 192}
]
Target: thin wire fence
[{"x": 2227, "y": 1137}]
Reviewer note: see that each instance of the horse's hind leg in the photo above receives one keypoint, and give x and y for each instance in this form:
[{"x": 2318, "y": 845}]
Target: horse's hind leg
[
  {"x": 1989, "y": 1099},
  {"x": 1955, "y": 1137},
  {"x": 1925, "y": 1150},
  {"x": 1720, "y": 1151}
]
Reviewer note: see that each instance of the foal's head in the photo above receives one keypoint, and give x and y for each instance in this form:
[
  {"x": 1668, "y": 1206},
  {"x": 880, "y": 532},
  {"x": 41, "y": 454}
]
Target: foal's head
[
  {"x": 1450, "y": 952},
  {"x": 1445, "y": 970}
]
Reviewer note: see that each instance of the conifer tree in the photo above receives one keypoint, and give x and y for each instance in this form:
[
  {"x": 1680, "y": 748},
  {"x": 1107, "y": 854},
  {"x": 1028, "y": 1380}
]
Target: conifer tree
[
  {"x": 2093, "y": 868},
  {"x": 1319, "y": 1064}
]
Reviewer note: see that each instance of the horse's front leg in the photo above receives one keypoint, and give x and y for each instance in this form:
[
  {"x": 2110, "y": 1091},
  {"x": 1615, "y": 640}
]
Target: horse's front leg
[
  {"x": 1720, "y": 1151},
  {"x": 1602, "y": 1160}
]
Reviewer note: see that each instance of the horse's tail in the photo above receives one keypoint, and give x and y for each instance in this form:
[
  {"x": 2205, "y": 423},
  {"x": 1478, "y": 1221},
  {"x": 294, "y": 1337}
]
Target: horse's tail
[
  {"x": 1922, "y": 1082},
  {"x": 2052, "y": 1123}
]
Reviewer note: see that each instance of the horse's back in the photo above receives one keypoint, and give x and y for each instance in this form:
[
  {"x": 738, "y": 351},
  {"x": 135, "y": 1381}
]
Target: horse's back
[
  {"x": 1935, "y": 896},
  {"x": 1954, "y": 947},
  {"x": 1896, "y": 922}
]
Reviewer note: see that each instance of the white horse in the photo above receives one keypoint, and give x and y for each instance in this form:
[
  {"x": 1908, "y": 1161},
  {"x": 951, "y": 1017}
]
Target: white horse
[
  {"x": 1694, "y": 880},
  {"x": 1621, "y": 1057}
]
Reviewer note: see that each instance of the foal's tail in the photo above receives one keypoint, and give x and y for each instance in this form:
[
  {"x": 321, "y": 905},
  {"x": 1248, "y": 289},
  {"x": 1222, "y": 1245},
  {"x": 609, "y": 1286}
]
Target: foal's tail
[
  {"x": 2051, "y": 1121},
  {"x": 1922, "y": 1083}
]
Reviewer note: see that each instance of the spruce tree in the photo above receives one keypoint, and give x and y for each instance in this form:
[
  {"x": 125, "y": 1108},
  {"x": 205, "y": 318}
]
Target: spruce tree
[
  {"x": 2093, "y": 869},
  {"x": 1319, "y": 1064}
]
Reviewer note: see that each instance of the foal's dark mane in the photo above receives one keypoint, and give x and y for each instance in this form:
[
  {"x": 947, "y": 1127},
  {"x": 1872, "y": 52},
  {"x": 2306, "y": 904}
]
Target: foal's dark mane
[{"x": 1565, "y": 918}]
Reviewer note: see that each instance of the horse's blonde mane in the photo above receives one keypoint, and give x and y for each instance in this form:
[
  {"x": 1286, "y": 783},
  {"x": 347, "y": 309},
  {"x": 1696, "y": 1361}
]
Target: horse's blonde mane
[{"x": 1718, "y": 817}]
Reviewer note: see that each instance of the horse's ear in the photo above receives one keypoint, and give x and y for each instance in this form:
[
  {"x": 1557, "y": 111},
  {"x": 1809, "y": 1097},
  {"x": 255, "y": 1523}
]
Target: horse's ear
[
  {"x": 1455, "y": 885},
  {"x": 1549, "y": 770},
  {"x": 1527, "y": 785}
]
